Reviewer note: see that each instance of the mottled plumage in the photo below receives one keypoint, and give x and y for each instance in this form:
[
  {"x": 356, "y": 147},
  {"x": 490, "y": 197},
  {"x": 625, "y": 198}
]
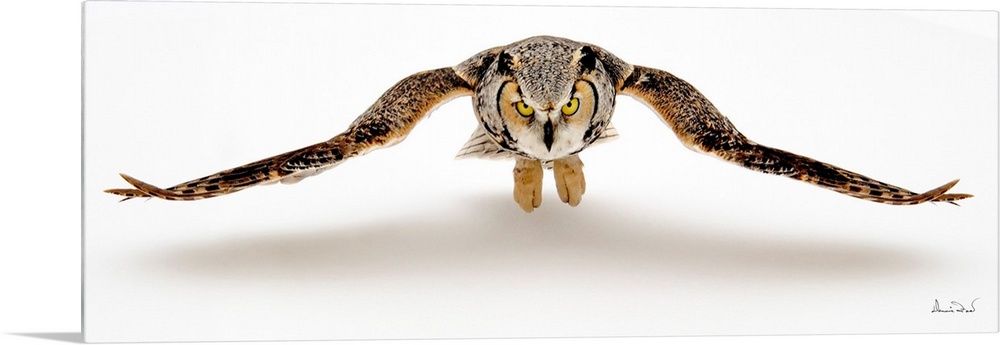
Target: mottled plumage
[{"x": 540, "y": 101}]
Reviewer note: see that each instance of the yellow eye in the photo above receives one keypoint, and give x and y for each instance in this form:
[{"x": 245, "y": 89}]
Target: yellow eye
[
  {"x": 571, "y": 107},
  {"x": 524, "y": 109}
]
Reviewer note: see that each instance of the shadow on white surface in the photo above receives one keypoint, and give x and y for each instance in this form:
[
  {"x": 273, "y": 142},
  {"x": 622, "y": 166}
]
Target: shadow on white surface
[
  {"x": 495, "y": 236},
  {"x": 64, "y": 337}
]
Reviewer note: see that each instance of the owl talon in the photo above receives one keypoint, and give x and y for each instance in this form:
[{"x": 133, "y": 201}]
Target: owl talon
[
  {"x": 569, "y": 179},
  {"x": 528, "y": 184}
]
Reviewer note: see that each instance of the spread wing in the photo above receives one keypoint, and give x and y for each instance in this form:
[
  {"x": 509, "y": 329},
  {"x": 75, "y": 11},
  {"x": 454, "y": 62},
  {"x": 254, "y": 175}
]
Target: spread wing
[
  {"x": 384, "y": 124},
  {"x": 701, "y": 127}
]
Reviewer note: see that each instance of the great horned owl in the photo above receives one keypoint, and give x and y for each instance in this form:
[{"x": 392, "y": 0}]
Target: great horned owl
[{"x": 540, "y": 101}]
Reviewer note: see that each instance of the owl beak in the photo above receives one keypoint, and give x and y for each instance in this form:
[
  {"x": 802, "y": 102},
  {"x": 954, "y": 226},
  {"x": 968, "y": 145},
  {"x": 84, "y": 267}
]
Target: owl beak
[{"x": 547, "y": 129}]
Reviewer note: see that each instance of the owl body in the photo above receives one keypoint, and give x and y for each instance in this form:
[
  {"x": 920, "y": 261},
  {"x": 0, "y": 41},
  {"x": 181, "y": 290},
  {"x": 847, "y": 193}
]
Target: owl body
[{"x": 540, "y": 101}]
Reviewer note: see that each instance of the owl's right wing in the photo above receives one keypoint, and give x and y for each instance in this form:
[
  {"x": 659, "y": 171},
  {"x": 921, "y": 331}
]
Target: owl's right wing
[
  {"x": 384, "y": 124},
  {"x": 701, "y": 127}
]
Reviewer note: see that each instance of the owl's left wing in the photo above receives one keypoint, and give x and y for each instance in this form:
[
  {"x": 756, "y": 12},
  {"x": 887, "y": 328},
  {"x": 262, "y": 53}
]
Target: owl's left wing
[
  {"x": 701, "y": 127},
  {"x": 384, "y": 124}
]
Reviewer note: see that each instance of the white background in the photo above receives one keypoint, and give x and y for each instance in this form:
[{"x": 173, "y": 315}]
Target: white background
[
  {"x": 701, "y": 250},
  {"x": 408, "y": 243}
]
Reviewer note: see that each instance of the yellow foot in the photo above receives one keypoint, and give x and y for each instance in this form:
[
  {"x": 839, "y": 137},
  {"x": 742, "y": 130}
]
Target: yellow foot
[
  {"x": 569, "y": 179},
  {"x": 528, "y": 184}
]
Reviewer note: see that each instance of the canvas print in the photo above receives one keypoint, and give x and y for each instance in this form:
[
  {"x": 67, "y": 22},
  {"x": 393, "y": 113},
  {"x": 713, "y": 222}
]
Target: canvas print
[{"x": 408, "y": 242}]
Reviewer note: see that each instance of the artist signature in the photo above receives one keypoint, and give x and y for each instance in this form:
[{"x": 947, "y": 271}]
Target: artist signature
[{"x": 955, "y": 307}]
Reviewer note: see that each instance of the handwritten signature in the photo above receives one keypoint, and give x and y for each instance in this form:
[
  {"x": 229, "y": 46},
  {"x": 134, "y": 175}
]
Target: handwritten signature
[{"x": 955, "y": 307}]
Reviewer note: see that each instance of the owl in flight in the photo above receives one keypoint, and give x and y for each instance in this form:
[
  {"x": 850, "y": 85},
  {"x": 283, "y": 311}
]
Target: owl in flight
[{"x": 540, "y": 101}]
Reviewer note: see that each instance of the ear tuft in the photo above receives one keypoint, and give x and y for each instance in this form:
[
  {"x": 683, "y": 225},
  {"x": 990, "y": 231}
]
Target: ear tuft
[
  {"x": 505, "y": 64},
  {"x": 588, "y": 59}
]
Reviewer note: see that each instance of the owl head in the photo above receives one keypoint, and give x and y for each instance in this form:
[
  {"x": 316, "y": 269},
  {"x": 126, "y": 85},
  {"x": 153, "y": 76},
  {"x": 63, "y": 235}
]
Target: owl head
[{"x": 544, "y": 97}]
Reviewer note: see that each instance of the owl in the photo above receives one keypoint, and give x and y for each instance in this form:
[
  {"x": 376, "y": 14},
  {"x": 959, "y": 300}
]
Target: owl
[{"x": 540, "y": 101}]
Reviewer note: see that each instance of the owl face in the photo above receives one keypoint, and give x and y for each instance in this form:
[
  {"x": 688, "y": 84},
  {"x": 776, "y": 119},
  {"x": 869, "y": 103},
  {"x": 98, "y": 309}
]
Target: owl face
[
  {"x": 548, "y": 128},
  {"x": 545, "y": 98}
]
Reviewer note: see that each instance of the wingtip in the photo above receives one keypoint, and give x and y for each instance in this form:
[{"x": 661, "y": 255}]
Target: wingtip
[
  {"x": 950, "y": 198},
  {"x": 127, "y": 177},
  {"x": 143, "y": 186},
  {"x": 129, "y": 193},
  {"x": 948, "y": 185}
]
